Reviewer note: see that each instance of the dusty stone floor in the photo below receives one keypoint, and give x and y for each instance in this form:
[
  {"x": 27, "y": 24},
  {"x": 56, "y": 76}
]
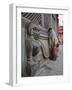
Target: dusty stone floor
[{"x": 52, "y": 67}]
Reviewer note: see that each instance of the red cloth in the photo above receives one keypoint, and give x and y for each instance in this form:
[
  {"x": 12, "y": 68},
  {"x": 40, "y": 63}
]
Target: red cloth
[{"x": 54, "y": 50}]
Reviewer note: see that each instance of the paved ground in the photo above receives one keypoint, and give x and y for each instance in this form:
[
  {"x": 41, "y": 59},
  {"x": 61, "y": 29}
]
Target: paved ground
[{"x": 53, "y": 67}]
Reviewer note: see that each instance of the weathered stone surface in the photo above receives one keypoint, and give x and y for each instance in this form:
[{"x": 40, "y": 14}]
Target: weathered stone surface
[{"x": 35, "y": 49}]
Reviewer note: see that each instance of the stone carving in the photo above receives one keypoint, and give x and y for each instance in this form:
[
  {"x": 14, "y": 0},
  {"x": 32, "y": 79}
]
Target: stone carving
[{"x": 35, "y": 49}]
